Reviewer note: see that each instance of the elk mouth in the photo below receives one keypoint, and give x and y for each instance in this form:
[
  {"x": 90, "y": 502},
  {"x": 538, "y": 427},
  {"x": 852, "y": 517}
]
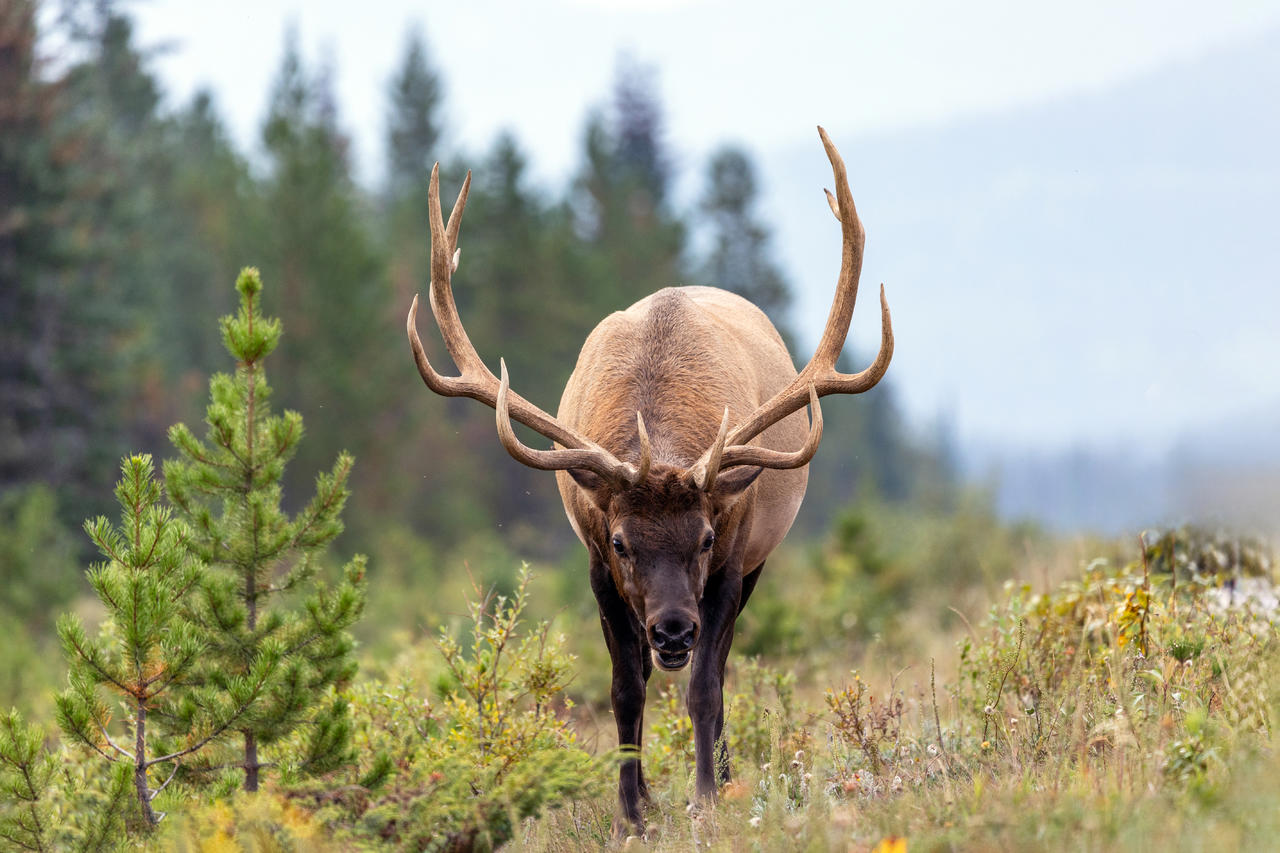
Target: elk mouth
[{"x": 672, "y": 663}]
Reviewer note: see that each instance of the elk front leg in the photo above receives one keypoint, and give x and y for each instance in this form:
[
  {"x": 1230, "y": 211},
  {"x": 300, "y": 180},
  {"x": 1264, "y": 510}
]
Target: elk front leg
[
  {"x": 719, "y": 610},
  {"x": 631, "y": 669}
]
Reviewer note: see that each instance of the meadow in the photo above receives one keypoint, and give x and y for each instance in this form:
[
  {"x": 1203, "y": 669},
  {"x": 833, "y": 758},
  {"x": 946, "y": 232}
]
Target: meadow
[{"x": 918, "y": 680}]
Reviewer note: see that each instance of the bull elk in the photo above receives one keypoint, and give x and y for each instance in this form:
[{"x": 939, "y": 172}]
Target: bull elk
[{"x": 680, "y": 450}]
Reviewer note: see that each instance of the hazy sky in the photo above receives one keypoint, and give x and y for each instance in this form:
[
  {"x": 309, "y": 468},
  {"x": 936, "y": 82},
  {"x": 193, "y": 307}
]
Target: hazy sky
[
  {"x": 729, "y": 69},
  {"x": 1057, "y": 342}
]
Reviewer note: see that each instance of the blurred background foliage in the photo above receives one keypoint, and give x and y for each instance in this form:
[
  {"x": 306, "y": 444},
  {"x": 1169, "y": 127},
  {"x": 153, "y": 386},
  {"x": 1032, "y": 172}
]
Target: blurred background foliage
[{"x": 126, "y": 216}]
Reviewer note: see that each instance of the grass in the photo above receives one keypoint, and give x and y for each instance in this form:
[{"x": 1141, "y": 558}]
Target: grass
[
  {"x": 1129, "y": 707},
  {"x": 1127, "y": 703}
]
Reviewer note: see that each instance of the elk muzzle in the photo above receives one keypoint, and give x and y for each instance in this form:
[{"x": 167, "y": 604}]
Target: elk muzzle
[{"x": 672, "y": 636}]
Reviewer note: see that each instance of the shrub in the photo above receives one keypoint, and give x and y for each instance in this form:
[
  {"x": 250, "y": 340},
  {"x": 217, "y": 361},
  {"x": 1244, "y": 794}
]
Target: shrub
[{"x": 461, "y": 771}]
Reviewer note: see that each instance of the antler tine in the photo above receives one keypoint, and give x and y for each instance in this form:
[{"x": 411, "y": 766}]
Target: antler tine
[
  {"x": 705, "y": 469},
  {"x": 833, "y": 204},
  {"x": 748, "y": 454},
  {"x": 646, "y": 449},
  {"x": 444, "y": 246},
  {"x": 595, "y": 459}
]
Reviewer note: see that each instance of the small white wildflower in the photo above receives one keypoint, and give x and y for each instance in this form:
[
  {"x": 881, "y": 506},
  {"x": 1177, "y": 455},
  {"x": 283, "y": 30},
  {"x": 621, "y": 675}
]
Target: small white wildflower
[
  {"x": 799, "y": 755},
  {"x": 755, "y": 822},
  {"x": 932, "y": 750},
  {"x": 989, "y": 710},
  {"x": 896, "y": 787}
]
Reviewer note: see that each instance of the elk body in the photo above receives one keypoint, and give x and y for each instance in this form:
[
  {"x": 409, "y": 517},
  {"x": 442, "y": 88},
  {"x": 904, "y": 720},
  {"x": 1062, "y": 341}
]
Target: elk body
[{"x": 680, "y": 448}]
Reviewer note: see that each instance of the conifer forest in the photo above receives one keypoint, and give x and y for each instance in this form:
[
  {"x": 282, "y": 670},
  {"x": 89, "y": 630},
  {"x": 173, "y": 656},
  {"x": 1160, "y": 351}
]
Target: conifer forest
[{"x": 262, "y": 590}]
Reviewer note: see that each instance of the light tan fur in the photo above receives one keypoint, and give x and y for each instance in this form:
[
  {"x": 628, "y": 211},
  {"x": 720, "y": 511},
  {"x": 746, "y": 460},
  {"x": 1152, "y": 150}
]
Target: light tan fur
[{"x": 680, "y": 356}]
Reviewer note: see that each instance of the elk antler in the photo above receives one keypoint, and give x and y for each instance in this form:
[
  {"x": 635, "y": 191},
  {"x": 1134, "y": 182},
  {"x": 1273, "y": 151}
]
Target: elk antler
[
  {"x": 819, "y": 377},
  {"x": 719, "y": 457},
  {"x": 592, "y": 459},
  {"x": 478, "y": 382}
]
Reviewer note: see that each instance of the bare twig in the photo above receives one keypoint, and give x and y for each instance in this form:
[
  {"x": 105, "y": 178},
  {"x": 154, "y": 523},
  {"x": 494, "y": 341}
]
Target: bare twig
[
  {"x": 1146, "y": 588},
  {"x": 126, "y": 753},
  {"x": 165, "y": 784},
  {"x": 973, "y": 635},
  {"x": 933, "y": 691}
]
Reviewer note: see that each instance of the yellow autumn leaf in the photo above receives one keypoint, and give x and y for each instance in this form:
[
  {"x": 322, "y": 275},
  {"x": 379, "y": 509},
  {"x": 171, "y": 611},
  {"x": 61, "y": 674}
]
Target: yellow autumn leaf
[{"x": 219, "y": 842}]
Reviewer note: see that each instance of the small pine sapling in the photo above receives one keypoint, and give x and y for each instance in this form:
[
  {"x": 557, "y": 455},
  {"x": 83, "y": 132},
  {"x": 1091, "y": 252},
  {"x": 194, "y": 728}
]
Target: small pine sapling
[
  {"x": 228, "y": 489},
  {"x": 26, "y": 770},
  {"x": 148, "y": 651}
]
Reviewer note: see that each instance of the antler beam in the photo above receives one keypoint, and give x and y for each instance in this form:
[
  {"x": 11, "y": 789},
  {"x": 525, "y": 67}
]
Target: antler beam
[
  {"x": 477, "y": 381},
  {"x": 819, "y": 377}
]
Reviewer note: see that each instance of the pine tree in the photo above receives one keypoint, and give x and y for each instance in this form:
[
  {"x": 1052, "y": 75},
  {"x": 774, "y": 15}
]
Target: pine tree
[
  {"x": 149, "y": 650},
  {"x": 26, "y": 771},
  {"x": 621, "y": 196},
  {"x": 57, "y": 379},
  {"x": 228, "y": 488},
  {"x": 414, "y": 126},
  {"x": 42, "y": 809},
  {"x": 739, "y": 260},
  {"x": 332, "y": 289}
]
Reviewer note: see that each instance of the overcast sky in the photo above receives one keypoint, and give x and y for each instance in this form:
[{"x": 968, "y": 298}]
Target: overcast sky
[
  {"x": 740, "y": 70},
  {"x": 879, "y": 77}
]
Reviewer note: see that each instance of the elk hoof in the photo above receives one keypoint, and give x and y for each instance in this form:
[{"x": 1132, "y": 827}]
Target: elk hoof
[{"x": 627, "y": 833}]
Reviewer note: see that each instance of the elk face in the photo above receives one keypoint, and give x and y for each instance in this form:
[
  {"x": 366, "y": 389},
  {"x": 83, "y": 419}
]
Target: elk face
[{"x": 664, "y": 537}]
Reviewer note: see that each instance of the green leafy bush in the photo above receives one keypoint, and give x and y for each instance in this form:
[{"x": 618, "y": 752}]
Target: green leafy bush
[{"x": 460, "y": 771}]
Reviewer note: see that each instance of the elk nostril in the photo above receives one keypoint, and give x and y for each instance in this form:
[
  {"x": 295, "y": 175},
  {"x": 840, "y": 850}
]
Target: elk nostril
[{"x": 673, "y": 635}]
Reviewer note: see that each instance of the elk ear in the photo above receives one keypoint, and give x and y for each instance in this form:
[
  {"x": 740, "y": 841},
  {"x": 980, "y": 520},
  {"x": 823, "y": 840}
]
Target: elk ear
[
  {"x": 596, "y": 487},
  {"x": 731, "y": 484}
]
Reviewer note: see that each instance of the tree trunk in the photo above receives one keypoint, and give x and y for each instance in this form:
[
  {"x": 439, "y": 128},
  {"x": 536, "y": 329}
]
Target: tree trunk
[
  {"x": 140, "y": 766},
  {"x": 251, "y": 764}
]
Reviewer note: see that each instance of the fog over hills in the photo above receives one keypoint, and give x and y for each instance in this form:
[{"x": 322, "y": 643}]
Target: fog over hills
[{"x": 1085, "y": 287}]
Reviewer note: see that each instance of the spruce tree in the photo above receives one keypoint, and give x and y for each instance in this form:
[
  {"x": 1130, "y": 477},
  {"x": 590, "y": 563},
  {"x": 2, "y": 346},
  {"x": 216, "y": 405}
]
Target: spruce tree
[
  {"x": 414, "y": 126},
  {"x": 621, "y": 196},
  {"x": 329, "y": 279},
  {"x": 739, "y": 259},
  {"x": 149, "y": 652},
  {"x": 228, "y": 488}
]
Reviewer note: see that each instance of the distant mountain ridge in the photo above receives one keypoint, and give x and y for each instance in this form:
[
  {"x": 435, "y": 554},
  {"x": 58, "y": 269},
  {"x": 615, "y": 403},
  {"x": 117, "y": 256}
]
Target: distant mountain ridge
[{"x": 1093, "y": 271}]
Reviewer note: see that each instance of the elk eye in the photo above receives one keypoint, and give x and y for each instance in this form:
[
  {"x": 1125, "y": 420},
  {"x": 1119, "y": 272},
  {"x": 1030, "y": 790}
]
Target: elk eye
[
  {"x": 708, "y": 542},
  {"x": 618, "y": 547}
]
